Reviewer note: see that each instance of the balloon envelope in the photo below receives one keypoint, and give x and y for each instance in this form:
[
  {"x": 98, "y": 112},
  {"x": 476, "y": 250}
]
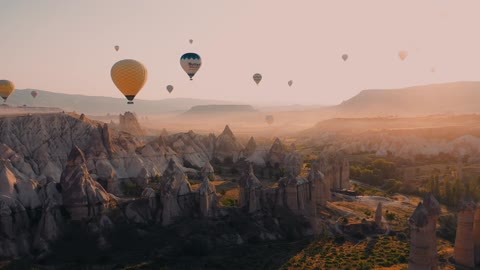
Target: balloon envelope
[
  {"x": 403, "y": 55},
  {"x": 257, "y": 77},
  {"x": 34, "y": 94},
  {"x": 191, "y": 41},
  {"x": 117, "y": 48},
  {"x": 345, "y": 57},
  {"x": 269, "y": 119},
  {"x": 169, "y": 88},
  {"x": 191, "y": 63},
  {"x": 290, "y": 83},
  {"x": 129, "y": 76},
  {"x": 6, "y": 89}
]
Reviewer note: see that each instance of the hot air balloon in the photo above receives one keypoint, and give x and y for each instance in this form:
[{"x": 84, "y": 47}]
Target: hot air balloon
[
  {"x": 169, "y": 88},
  {"x": 257, "y": 77},
  {"x": 290, "y": 83},
  {"x": 402, "y": 55},
  {"x": 191, "y": 63},
  {"x": 117, "y": 48},
  {"x": 34, "y": 94},
  {"x": 432, "y": 70},
  {"x": 6, "y": 89},
  {"x": 345, "y": 57},
  {"x": 129, "y": 76},
  {"x": 191, "y": 41},
  {"x": 269, "y": 119}
]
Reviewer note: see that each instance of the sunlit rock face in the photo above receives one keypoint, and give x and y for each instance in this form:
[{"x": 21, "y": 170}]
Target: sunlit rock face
[
  {"x": 464, "y": 252},
  {"x": 423, "y": 240},
  {"x": 82, "y": 196},
  {"x": 207, "y": 197},
  {"x": 129, "y": 123}
]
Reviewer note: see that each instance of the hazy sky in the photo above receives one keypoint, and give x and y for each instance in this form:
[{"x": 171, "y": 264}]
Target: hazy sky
[{"x": 67, "y": 46}]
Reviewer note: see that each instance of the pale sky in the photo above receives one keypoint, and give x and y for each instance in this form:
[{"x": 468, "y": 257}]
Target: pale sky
[{"x": 67, "y": 46}]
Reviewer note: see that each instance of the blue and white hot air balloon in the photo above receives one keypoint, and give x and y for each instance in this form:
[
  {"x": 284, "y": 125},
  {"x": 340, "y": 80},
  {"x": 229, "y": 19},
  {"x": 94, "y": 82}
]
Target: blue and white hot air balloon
[{"x": 191, "y": 63}]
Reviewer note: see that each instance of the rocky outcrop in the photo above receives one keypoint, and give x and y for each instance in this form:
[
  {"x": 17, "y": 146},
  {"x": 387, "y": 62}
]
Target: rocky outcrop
[
  {"x": 207, "y": 197},
  {"x": 464, "y": 252},
  {"x": 250, "y": 148},
  {"x": 277, "y": 152},
  {"x": 337, "y": 171},
  {"x": 82, "y": 196},
  {"x": 227, "y": 146},
  {"x": 423, "y": 241},
  {"x": 250, "y": 190},
  {"x": 318, "y": 184},
  {"x": 129, "y": 123},
  {"x": 175, "y": 193},
  {"x": 378, "y": 215},
  {"x": 207, "y": 172}
]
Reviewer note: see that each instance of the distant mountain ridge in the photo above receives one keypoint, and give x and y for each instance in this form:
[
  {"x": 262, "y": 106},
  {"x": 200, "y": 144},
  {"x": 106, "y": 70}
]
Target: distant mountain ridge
[
  {"x": 455, "y": 97},
  {"x": 103, "y": 105},
  {"x": 220, "y": 109}
]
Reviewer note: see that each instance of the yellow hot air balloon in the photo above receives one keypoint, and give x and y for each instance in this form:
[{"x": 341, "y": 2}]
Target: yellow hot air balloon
[
  {"x": 6, "y": 89},
  {"x": 129, "y": 76},
  {"x": 403, "y": 55}
]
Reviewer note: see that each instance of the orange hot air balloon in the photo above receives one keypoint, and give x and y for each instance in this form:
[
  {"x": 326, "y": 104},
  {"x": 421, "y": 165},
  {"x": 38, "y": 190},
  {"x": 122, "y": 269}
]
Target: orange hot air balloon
[
  {"x": 6, "y": 89},
  {"x": 129, "y": 76}
]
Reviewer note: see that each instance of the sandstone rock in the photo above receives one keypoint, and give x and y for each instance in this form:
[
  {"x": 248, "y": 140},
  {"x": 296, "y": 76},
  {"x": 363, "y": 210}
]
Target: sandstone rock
[
  {"x": 423, "y": 241},
  {"x": 227, "y": 146},
  {"x": 250, "y": 148},
  {"x": 378, "y": 215},
  {"x": 175, "y": 193},
  {"x": 208, "y": 172},
  {"x": 293, "y": 163},
  {"x": 129, "y": 123},
  {"x": 464, "y": 252},
  {"x": 320, "y": 187},
  {"x": 207, "y": 197},
  {"x": 277, "y": 152},
  {"x": 82, "y": 196},
  {"x": 250, "y": 191}
]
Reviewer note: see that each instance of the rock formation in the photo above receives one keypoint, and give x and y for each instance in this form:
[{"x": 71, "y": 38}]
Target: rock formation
[
  {"x": 464, "y": 252},
  {"x": 129, "y": 123},
  {"x": 227, "y": 146},
  {"x": 321, "y": 187},
  {"x": 337, "y": 171},
  {"x": 175, "y": 193},
  {"x": 250, "y": 148},
  {"x": 207, "y": 197},
  {"x": 207, "y": 172},
  {"x": 423, "y": 241},
  {"x": 250, "y": 191},
  {"x": 378, "y": 215},
  {"x": 82, "y": 196},
  {"x": 277, "y": 153}
]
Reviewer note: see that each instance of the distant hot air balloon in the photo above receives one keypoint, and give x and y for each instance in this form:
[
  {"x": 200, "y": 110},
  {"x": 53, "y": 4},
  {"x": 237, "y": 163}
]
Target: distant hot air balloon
[
  {"x": 269, "y": 119},
  {"x": 432, "y": 70},
  {"x": 117, "y": 48},
  {"x": 129, "y": 76},
  {"x": 34, "y": 94},
  {"x": 403, "y": 55},
  {"x": 257, "y": 77},
  {"x": 191, "y": 63},
  {"x": 290, "y": 83},
  {"x": 345, "y": 57},
  {"x": 6, "y": 89},
  {"x": 169, "y": 88},
  {"x": 191, "y": 41}
]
